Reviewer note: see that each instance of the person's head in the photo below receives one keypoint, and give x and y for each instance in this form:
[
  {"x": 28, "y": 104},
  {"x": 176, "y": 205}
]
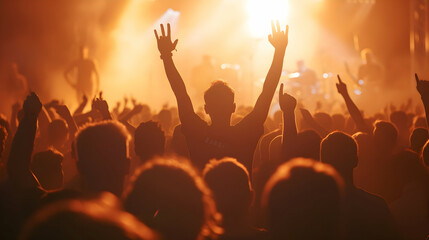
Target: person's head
[
  {"x": 367, "y": 56},
  {"x": 83, "y": 51},
  {"x": 171, "y": 198},
  {"x": 420, "y": 122},
  {"x": 165, "y": 118},
  {"x": 401, "y": 120},
  {"x": 303, "y": 201},
  {"x": 364, "y": 142},
  {"x": 58, "y": 133},
  {"x": 149, "y": 140},
  {"x": 47, "y": 166},
  {"x": 102, "y": 156},
  {"x": 340, "y": 151},
  {"x": 418, "y": 138},
  {"x": 229, "y": 181},
  {"x": 3, "y": 137},
  {"x": 425, "y": 154},
  {"x": 300, "y": 65},
  {"x": 385, "y": 136},
  {"x": 324, "y": 120},
  {"x": 84, "y": 220},
  {"x": 308, "y": 144},
  {"x": 338, "y": 122},
  {"x": 409, "y": 169},
  {"x": 219, "y": 101}
]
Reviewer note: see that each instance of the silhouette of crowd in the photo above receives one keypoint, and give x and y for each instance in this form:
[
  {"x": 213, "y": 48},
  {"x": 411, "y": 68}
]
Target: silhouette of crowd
[{"x": 230, "y": 172}]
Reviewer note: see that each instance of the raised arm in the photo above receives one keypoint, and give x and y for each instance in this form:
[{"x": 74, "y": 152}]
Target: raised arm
[
  {"x": 165, "y": 47},
  {"x": 279, "y": 40},
  {"x": 351, "y": 107},
  {"x": 423, "y": 89},
  {"x": 18, "y": 166},
  {"x": 288, "y": 105}
]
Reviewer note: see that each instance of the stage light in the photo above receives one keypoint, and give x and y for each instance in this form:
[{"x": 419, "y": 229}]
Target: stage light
[{"x": 260, "y": 13}]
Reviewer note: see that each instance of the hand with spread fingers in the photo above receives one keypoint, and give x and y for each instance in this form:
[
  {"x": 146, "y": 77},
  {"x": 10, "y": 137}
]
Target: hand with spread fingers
[
  {"x": 279, "y": 39},
  {"x": 165, "y": 44}
]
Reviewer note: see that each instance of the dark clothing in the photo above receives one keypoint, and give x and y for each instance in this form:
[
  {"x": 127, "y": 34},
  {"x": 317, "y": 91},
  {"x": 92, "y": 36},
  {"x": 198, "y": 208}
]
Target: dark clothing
[{"x": 238, "y": 141}]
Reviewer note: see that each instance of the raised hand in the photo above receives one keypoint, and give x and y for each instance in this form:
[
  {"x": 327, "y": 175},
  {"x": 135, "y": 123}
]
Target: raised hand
[
  {"x": 286, "y": 101},
  {"x": 422, "y": 87},
  {"x": 165, "y": 45},
  {"x": 63, "y": 111},
  {"x": 341, "y": 87},
  {"x": 100, "y": 104},
  {"x": 279, "y": 39},
  {"x": 32, "y": 105}
]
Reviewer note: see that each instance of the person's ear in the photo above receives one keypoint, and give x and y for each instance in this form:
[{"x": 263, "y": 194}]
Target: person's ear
[{"x": 234, "y": 106}]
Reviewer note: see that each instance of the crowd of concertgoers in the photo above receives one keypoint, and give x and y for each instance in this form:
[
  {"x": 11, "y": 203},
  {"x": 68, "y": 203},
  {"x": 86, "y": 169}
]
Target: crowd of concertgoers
[{"x": 230, "y": 173}]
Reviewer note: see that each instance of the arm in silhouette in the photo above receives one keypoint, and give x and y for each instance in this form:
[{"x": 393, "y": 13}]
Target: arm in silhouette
[
  {"x": 351, "y": 107},
  {"x": 308, "y": 118},
  {"x": 290, "y": 134},
  {"x": 184, "y": 103},
  {"x": 279, "y": 40},
  {"x": 99, "y": 104},
  {"x": 64, "y": 113},
  {"x": 423, "y": 89},
  {"x": 18, "y": 166}
]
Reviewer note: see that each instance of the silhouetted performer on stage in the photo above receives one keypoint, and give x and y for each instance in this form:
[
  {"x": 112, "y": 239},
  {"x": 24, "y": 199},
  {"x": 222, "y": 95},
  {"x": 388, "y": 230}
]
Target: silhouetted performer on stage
[
  {"x": 219, "y": 139},
  {"x": 85, "y": 69}
]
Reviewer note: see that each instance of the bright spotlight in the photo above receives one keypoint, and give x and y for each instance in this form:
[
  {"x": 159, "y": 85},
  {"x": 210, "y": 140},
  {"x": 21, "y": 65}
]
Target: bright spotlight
[{"x": 260, "y": 13}]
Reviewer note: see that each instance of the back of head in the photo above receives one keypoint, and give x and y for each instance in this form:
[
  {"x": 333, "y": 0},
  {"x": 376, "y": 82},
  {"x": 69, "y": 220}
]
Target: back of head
[
  {"x": 400, "y": 119},
  {"x": 308, "y": 144},
  {"x": 303, "y": 201},
  {"x": 102, "y": 155},
  {"x": 338, "y": 122},
  {"x": 229, "y": 181},
  {"x": 47, "y": 166},
  {"x": 149, "y": 140},
  {"x": 385, "y": 135},
  {"x": 84, "y": 219},
  {"x": 171, "y": 198},
  {"x": 418, "y": 138},
  {"x": 410, "y": 169},
  {"x": 339, "y": 150},
  {"x": 219, "y": 100},
  {"x": 324, "y": 120}
]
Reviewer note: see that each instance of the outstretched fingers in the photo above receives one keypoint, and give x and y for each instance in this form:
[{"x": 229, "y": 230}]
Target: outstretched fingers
[
  {"x": 339, "y": 79},
  {"x": 168, "y": 31},
  {"x": 281, "y": 90},
  {"x": 162, "y": 30},
  {"x": 156, "y": 34},
  {"x": 278, "y": 25}
]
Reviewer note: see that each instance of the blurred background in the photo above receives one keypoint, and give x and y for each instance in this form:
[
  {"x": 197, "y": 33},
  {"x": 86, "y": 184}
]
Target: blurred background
[{"x": 227, "y": 37}]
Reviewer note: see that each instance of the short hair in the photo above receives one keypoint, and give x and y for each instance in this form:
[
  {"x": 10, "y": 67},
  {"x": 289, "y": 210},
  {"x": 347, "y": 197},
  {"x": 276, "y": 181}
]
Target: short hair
[
  {"x": 219, "y": 90},
  {"x": 303, "y": 200},
  {"x": 229, "y": 181},
  {"x": 47, "y": 166},
  {"x": 84, "y": 219},
  {"x": 101, "y": 146},
  {"x": 385, "y": 134},
  {"x": 418, "y": 138},
  {"x": 340, "y": 150},
  {"x": 149, "y": 140},
  {"x": 170, "y": 197}
]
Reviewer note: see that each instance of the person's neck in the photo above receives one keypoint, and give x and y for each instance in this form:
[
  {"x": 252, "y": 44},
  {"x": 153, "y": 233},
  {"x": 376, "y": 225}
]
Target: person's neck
[{"x": 221, "y": 124}]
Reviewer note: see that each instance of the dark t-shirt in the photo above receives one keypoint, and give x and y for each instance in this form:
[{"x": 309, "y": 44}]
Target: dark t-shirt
[
  {"x": 368, "y": 217},
  {"x": 238, "y": 141}
]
